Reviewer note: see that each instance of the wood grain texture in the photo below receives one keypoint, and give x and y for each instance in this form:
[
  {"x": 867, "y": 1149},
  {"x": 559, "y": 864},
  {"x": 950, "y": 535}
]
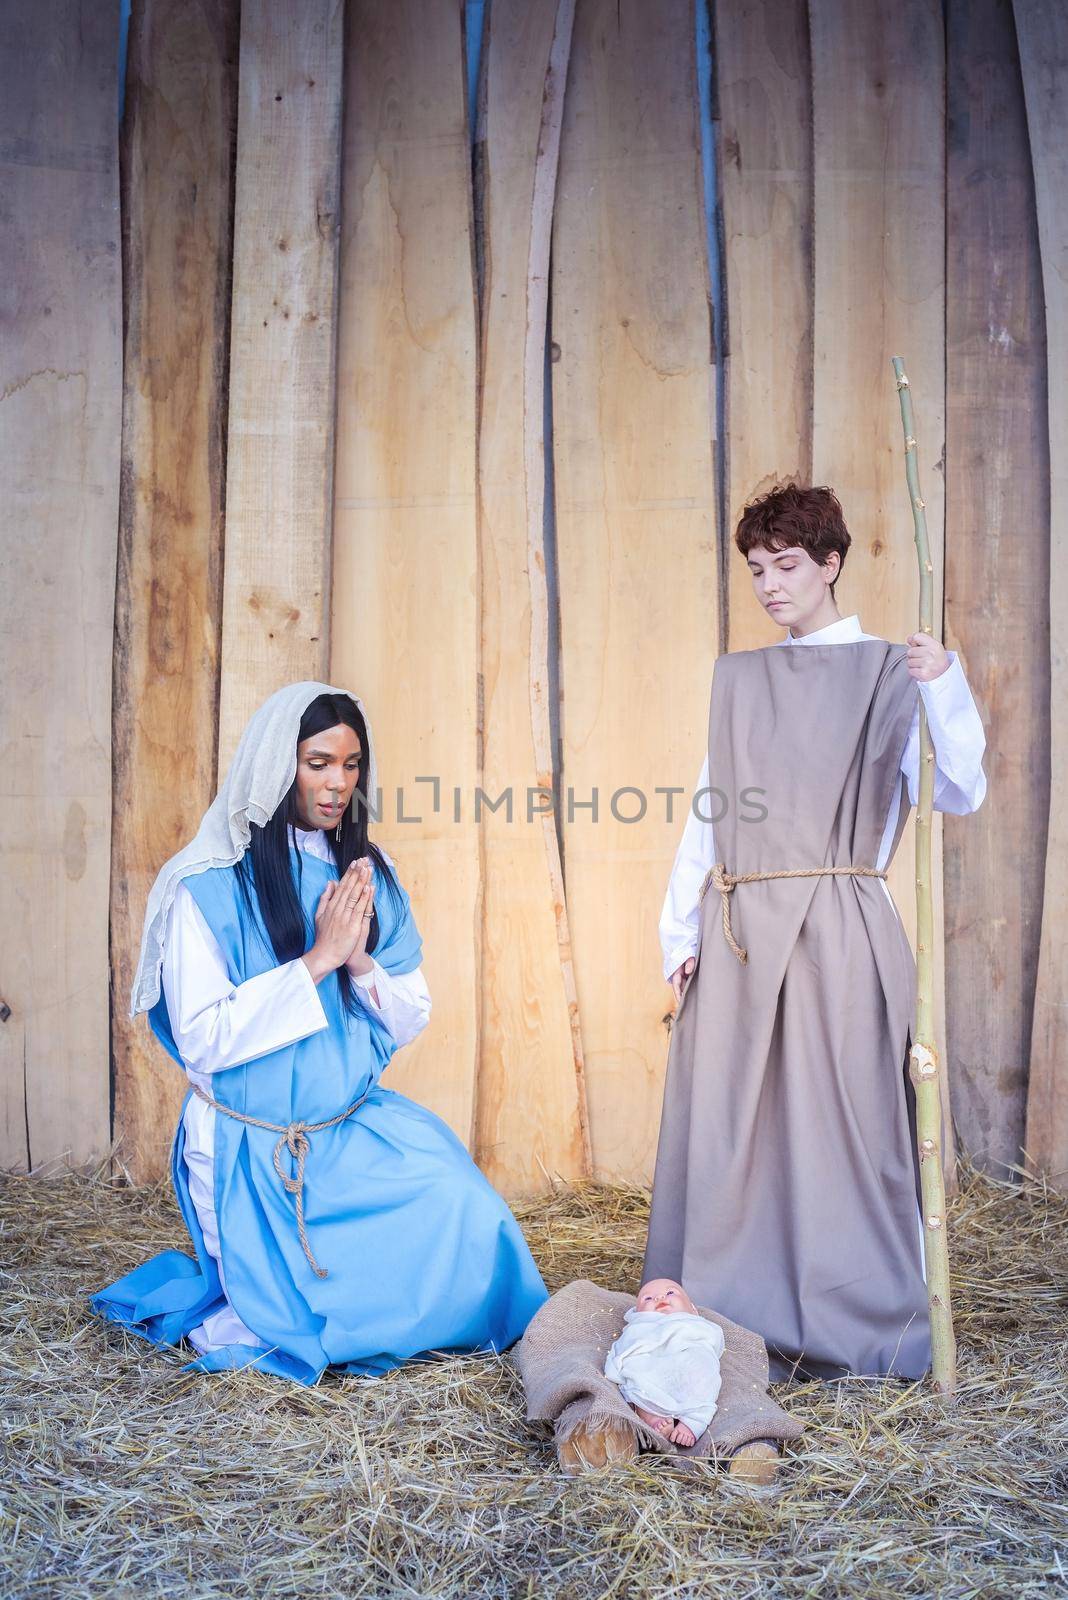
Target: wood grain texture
[
  {"x": 177, "y": 192},
  {"x": 60, "y": 415},
  {"x": 405, "y": 596},
  {"x": 1042, "y": 30},
  {"x": 765, "y": 175},
  {"x": 635, "y": 523},
  {"x": 280, "y": 446},
  {"x": 997, "y": 574},
  {"x": 879, "y": 228},
  {"x": 530, "y": 1116},
  {"x": 880, "y": 284}
]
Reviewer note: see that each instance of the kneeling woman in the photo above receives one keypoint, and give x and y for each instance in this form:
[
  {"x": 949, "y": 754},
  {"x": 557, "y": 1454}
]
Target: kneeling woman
[{"x": 335, "y": 1222}]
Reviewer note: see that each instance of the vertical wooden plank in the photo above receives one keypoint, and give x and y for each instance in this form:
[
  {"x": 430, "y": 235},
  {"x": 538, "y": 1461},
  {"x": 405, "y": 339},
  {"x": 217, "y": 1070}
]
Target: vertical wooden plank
[
  {"x": 997, "y": 572},
  {"x": 635, "y": 500},
  {"x": 60, "y": 419},
  {"x": 878, "y": 82},
  {"x": 405, "y": 600},
  {"x": 530, "y": 1109},
  {"x": 763, "y": 75},
  {"x": 181, "y": 107},
  {"x": 878, "y": 99},
  {"x": 1042, "y": 27},
  {"x": 281, "y": 417}
]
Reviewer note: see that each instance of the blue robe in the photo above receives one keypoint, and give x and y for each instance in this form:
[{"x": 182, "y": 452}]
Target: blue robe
[{"x": 421, "y": 1252}]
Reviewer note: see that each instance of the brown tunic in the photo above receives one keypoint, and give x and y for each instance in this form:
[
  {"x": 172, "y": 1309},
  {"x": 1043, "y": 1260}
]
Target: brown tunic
[{"x": 785, "y": 1191}]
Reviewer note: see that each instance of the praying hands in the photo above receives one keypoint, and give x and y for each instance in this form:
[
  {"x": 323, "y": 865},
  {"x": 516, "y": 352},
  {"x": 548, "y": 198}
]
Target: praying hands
[{"x": 342, "y": 923}]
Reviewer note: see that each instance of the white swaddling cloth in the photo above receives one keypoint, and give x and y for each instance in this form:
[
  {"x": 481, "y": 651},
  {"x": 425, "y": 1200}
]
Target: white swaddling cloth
[{"x": 668, "y": 1364}]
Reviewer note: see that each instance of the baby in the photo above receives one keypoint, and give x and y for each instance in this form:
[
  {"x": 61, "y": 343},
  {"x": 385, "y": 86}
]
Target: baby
[{"x": 666, "y": 1362}]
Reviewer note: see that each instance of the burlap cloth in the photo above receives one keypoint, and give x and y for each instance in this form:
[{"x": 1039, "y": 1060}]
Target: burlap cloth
[{"x": 561, "y": 1362}]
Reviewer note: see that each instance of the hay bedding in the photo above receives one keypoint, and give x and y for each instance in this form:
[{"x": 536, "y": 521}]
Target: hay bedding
[{"x": 123, "y": 1477}]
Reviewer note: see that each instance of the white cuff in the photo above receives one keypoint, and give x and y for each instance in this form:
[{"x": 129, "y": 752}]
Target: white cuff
[
  {"x": 674, "y": 961},
  {"x": 303, "y": 979},
  {"x": 948, "y": 685},
  {"x": 377, "y": 979}
]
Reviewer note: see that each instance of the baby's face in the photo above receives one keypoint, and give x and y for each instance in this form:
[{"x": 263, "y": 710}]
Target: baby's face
[{"x": 664, "y": 1295}]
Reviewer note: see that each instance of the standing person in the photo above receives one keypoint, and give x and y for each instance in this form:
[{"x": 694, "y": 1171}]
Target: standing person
[
  {"x": 334, "y": 1221},
  {"x": 786, "y": 1188}
]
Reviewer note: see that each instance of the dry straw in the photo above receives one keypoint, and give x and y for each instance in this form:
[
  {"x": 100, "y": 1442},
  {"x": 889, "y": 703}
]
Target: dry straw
[{"x": 125, "y": 1477}]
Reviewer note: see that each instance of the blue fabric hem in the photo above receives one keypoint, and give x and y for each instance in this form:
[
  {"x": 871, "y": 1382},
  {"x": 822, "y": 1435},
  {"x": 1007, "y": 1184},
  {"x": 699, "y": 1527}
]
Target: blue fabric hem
[{"x": 127, "y": 1310}]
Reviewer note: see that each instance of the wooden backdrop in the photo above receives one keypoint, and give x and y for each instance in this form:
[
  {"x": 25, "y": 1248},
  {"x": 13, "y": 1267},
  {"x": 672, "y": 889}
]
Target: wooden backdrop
[{"x": 454, "y": 398}]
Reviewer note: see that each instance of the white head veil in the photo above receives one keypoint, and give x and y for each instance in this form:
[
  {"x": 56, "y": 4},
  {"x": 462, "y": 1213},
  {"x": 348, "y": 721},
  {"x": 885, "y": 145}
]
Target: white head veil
[{"x": 264, "y": 766}]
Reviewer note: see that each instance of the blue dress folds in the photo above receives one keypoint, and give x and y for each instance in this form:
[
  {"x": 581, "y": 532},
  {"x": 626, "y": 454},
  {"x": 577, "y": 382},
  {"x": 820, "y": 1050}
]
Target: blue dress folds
[{"x": 421, "y": 1253}]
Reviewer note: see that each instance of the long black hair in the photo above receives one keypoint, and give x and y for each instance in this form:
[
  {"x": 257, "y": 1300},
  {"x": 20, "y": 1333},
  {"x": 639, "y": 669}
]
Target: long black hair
[{"x": 269, "y": 873}]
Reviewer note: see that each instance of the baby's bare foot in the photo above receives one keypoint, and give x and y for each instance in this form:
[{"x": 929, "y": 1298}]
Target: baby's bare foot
[
  {"x": 681, "y": 1434},
  {"x": 658, "y": 1423}
]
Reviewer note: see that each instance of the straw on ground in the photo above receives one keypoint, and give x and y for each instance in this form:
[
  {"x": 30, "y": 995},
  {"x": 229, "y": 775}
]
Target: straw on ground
[{"x": 124, "y": 1476}]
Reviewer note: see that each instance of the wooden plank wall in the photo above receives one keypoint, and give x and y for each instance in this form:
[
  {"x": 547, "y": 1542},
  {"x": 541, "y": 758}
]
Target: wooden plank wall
[
  {"x": 633, "y": 422},
  {"x": 177, "y": 194},
  {"x": 60, "y": 417},
  {"x": 845, "y": 239},
  {"x": 997, "y": 572},
  {"x": 280, "y": 451},
  {"x": 879, "y": 220},
  {"x": 764, "y": 83},
  {"x": 879, "y": 247},
  {"x": 530, "y": 1115},
  {"x": 405, "y": 597},
  {"x": 1042, "y": 27}
]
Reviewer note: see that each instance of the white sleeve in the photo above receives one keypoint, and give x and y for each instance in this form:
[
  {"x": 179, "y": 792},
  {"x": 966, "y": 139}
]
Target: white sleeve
[
  {"x": 403, "y": 1001},
  {"x": 696, "y": 854},
  {"x": 218, "y": 1024},
  {"x": 959, "y": 742}
]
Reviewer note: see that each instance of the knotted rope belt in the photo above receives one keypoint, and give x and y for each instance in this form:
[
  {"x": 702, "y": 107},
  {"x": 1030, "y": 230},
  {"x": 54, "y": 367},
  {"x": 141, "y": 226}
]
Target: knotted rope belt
[
  {"x": 719, "y": 878},
  {"x": 294, "y": 1137}
]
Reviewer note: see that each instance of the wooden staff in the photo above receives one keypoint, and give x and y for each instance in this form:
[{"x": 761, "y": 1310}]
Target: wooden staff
[{"x": 924, "y": 1066}]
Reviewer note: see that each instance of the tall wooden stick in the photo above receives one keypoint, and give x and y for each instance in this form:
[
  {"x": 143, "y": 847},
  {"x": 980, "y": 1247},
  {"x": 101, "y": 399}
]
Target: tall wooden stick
[{"x": 924, "y": 1065}]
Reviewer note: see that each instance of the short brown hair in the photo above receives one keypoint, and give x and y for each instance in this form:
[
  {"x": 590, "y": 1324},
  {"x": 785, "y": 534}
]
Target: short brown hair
[{"x": 790, "y": 515}]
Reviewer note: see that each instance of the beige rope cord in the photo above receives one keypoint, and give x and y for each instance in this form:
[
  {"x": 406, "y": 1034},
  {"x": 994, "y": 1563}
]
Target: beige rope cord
[
  {"x": 719, "y": 878},
  {"x": 294, "y": 1138}
]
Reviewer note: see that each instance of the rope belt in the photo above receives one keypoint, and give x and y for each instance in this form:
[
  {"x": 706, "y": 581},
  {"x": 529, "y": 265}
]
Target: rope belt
[
  {"x": 294, "y": 1137},
  {"x": 719, "y": 878}
]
